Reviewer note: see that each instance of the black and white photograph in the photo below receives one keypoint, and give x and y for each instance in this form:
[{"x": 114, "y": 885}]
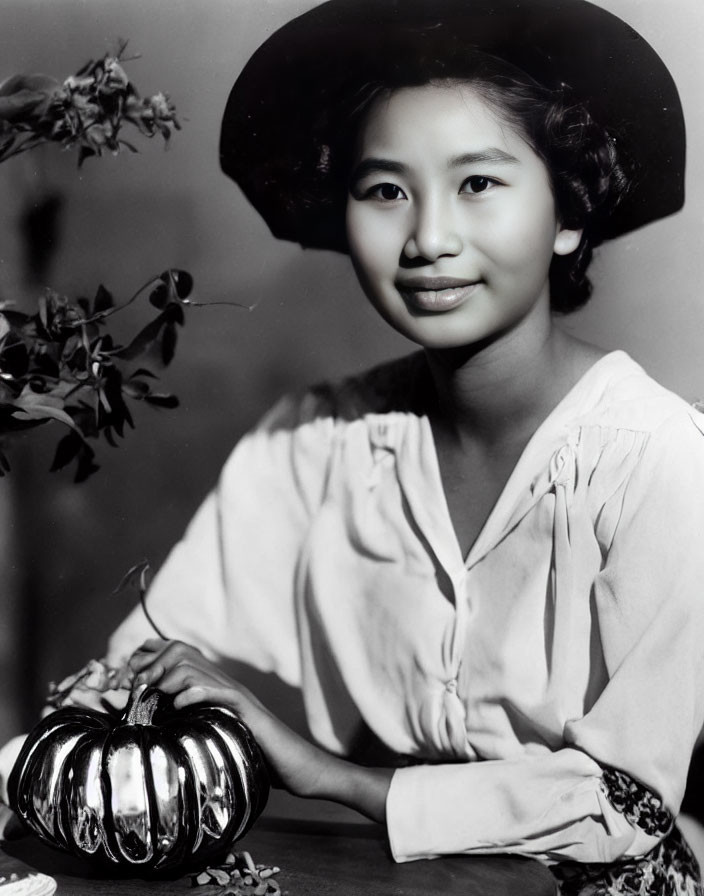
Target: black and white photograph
[{"x": 352, "y": 447}]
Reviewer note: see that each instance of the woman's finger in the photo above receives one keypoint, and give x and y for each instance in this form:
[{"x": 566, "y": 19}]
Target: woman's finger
[
  {"x": 165, "y": 653},
  {"x": 145, "y": 654},
  {"x": 204, "y": 694},
  {"x": 152, "y": 644},
  {"x": 175, "y": 679},
  {"x": 168, "y": 677},
  {"x": 190, "y": 684},
  {"x": 151, "y": 675}
]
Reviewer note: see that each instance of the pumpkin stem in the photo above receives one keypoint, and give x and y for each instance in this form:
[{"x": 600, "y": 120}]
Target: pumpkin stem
[{"x": 142, "y": 705}]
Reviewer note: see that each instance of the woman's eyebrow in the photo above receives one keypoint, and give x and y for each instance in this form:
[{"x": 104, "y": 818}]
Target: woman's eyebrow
[
  {"x": 492, "y": 154},
  {"x": 373, "y": 165}
]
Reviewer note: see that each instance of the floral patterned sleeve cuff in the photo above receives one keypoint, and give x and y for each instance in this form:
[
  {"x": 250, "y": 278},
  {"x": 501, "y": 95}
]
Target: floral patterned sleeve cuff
[
  {"x": 668, "y": 870},
  {"x": 640, "y": 806}
]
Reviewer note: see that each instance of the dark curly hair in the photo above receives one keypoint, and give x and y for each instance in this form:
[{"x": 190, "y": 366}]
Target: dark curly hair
[{"x": 589, "y": 172}]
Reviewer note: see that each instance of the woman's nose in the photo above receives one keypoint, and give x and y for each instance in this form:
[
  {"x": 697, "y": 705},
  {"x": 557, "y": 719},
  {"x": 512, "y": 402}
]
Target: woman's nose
[{"x": 433, "y": 233}]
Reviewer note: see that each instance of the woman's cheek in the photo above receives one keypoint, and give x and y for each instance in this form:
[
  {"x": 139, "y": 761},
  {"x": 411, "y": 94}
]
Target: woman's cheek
[{"x": 374, "y": 232}]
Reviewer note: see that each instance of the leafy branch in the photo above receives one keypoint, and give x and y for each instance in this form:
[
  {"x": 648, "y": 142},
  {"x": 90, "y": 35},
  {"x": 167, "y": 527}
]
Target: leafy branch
[{"x": 58, "y": 364}]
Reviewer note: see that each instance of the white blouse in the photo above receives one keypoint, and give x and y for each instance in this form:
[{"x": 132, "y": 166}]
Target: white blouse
[{"x": 570, "y": 639}]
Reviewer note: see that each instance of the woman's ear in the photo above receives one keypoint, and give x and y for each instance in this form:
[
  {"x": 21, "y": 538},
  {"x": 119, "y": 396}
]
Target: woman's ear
[{"x": 567, "y": 241}]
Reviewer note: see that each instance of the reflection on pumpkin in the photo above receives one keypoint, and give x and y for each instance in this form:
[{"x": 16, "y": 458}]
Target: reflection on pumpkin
[{"x": 159, "y": 788}]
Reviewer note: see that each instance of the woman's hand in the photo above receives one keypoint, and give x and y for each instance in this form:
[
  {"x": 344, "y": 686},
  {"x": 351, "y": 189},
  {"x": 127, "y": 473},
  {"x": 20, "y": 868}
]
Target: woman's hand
[
  {"x": 297, "y": 765},
  {"x": 182, "y": 671}
]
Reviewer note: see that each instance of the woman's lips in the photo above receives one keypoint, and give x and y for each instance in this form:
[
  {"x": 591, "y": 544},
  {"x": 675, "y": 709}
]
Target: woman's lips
[{"x": 437, "y": 293}]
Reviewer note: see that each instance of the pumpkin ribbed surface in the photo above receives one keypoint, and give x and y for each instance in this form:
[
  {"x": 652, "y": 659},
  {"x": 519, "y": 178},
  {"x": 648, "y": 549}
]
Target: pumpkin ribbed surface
[{"x": 159, "y": 788}]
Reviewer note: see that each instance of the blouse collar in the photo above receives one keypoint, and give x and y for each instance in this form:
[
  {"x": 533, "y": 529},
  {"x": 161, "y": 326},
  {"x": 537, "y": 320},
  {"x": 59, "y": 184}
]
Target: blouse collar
[{"x": 547, "y": 459}]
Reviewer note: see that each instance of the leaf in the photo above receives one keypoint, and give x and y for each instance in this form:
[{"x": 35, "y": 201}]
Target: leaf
[
  {"x": 168, "y": 344},
  {"x": 143, "y": 341},
  {"x": 42, "y": 305},
  {"x": 16, "y": 319},
  {"x": 174, "y": 313},
  {"x": 7, "y": 395},
  {"x": 23, "y": 96},
  {"x": 43, "y": 412},
  {"x": 14, "y": 356},
  {"x": 136, "y": 389},
  {"x": 159, "y": 296},
  {"x": 37, "y": 83},
  {"x": 162, "y": 401},
  {"x": 105, "y": 344},
  {"x": 66, "y": 450},
  {"x": 86, "y": 69},
  {"x": 35, "y": 406},
  {"x": 48, "y": 366},
  {"x": 103, "y": 300},
  {"x": 85, "y": 153},
  {"x": 86, "y": 464},
  {"x": 74, "y": 447},
  {"x": 173, "y": 286},
  {"x": 74, "y": 354},
  {"x": 135, "y": 577},
  {"x": 181, "y": 281},
  {"x": 128, "y": 416},
  {"x": 119, "y": 413},
  {"x": 149, "y": 336}
]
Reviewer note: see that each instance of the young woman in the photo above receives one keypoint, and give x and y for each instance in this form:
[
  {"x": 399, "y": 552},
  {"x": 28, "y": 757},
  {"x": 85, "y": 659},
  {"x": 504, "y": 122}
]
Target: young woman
[{"x": 480, "y": 556}]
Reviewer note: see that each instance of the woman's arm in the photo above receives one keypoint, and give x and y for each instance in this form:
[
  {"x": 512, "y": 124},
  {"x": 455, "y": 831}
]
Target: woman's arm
[
  {"x": 647, "y": 606},
  {"x": 297, "y": 765},
  {"x": 238, "y": 557}
]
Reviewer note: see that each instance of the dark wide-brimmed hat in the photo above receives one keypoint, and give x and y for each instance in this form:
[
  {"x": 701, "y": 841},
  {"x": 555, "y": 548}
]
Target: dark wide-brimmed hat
[{"x": 274, "y": 141}]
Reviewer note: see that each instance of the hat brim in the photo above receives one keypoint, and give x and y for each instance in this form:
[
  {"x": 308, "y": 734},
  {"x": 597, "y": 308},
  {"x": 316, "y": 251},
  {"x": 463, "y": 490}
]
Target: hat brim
[{"x": 313, "y": 60}]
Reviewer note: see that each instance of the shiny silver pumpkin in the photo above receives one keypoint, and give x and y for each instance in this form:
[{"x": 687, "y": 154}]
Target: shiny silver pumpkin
[{"x": 159, "y": 788}]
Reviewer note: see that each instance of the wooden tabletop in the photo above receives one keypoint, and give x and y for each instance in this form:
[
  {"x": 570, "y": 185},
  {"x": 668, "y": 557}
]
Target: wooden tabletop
[{"x": 316, "y": 859}]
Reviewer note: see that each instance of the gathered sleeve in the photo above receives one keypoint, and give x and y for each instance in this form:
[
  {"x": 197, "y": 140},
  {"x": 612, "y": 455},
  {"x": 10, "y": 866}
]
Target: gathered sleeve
[
  {"x": 613, "y": 788},
  {"x": 228, "y": 586}
]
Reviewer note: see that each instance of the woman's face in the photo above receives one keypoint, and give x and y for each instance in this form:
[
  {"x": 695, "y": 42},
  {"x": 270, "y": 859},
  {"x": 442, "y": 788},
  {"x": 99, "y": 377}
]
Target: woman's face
[{"x": 451, "y": 220}]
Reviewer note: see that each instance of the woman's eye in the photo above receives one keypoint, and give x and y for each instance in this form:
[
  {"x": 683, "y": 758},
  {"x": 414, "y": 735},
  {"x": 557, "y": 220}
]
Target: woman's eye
[
  {"x": 477, "y": 183},
  {"x": 386, "y": 192}
]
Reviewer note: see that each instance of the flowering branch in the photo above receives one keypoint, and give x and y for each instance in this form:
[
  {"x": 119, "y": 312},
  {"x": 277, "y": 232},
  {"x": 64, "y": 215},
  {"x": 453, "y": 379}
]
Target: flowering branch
[
  {"x": 88, "y": 110},
  {"x": 59, "y": 364}
]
